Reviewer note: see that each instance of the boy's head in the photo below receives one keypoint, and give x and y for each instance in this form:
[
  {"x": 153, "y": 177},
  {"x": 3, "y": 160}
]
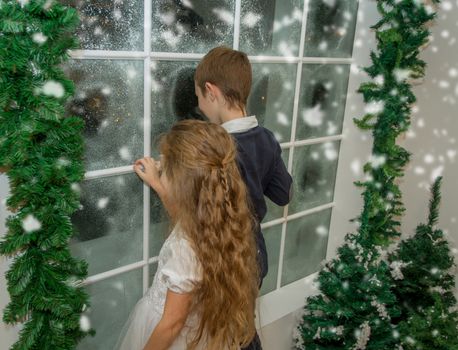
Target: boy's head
[{"x": 224, "y": 73}]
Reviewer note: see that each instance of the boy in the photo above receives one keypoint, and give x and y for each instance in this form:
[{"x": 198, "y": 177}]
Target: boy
[{"x": 223, "y": 83}]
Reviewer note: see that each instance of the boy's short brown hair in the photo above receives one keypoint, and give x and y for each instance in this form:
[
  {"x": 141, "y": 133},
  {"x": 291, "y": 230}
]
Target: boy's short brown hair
[{"x": 230, "y": 71}]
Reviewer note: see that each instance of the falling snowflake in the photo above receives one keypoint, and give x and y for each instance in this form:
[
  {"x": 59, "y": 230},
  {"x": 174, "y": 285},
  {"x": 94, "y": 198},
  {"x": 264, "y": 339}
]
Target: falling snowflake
[
  {"x": 374, "y": 107},
  {"x": 313, "y": 116},
  {"x": 322, "y": 230},
  {"x": 282, "y": 119},
  {"x": 401, "y": 74},
  {"x": 75, "y": 187},
  {"x": 117, "y": 14},
  {"x": 322, "y": 46},
  {"x": 39, "y": 38},
  {"x": 31, "y": 223},
  {"x": 170, "y": 38},
  {"x": 436, "y": 172},
  {"x": 23, "y": 2},
  {"x": 330, "y": 153},
  {"x": 187, "y": 3},
  {"x": 62, "y": 162},
  {"x": 85, "y": 323},
  {"x": 377, "y": 160},
  {"x": 102, "y": 202},
  {"x": 125, "y": 153},
  {"x": 106, "y": 91},
  {"x": 379, "y": 80},
  {"x": 53, "y": 88},
  {"x": 224, "y": 15},
  {"x": 48, "y": 5},
  {"x": 330, "y": 3},
  {"x": 251, "y": 19}
]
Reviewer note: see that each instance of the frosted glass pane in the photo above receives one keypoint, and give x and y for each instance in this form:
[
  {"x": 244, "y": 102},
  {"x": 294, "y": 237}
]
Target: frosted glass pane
[
  {"x": 271, "y": 27},
  {"x": 158, "y": 233},
  {"x": 305, "y": 245},
  {"x": 322, "y": 100},
  {"x": 109, "y": 25},
  {"x": 330, "y": 28},
  {"x": 272, "y": 236},
  {"x": 272, "y": 97},
  {"x": 109, "y": 98},
  {"x": 109, "y": 226},
  {"x": 274, "y": 211},
  {"x": 173, "y": 97},
  {"x": 314, "y": 174},
  {"x": 112, "y": 300},
  {"x": 192, "y": 26}
]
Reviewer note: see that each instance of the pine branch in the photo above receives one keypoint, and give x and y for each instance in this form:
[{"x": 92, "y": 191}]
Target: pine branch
[{"x": 434, "y": 202}]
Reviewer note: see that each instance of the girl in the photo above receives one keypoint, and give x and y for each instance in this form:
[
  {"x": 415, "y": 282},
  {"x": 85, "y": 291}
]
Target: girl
[{"x": 204, "y": 291}]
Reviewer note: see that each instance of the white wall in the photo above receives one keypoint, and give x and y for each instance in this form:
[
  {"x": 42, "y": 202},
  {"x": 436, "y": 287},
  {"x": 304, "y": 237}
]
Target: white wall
[
  {"x": 434, "y": 137},
  {"x": 8, "y": 334}
]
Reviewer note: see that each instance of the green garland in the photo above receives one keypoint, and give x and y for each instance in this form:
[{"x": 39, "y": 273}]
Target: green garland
[
  {"x": 358, "y": 307},
  {"x": 400, "y": 34},
  {"x": 41, "y": 151}
]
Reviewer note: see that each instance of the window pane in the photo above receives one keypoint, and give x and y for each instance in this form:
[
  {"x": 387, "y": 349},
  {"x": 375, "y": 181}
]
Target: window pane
[
  {"x": 322, "y": 101},
  {"x": 272, "y": 97},
  {"x": 272, "y": 236},
  {"x": 271, "y": 27},
  {"x": 192, "y": 26},
  {"x": 330, "y": 28},
  {"x": 314, "y": 174},
  {"x": 109, "y": 226},
  {"x": 109, "y": 25},
  {"x": 173, "y": 96},
  {"x": 159, "y": 225},
  {"x": 109, "y": 97},
  {"x": 275, "y": 211},
  {"x": 112, "y": 300},
  {"x": 305, "y": 245}
]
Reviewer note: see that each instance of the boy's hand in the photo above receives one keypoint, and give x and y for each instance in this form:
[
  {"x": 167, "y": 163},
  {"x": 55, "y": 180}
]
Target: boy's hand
[{"x": 148, "y": 170}]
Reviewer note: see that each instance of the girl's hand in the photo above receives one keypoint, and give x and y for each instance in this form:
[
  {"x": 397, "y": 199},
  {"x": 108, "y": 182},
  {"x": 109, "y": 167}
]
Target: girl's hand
[{"x": 149, "y": 170}]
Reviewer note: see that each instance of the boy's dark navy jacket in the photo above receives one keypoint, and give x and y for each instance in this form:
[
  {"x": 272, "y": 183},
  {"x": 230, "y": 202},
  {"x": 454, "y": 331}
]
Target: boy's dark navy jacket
[{"x": 265, "y": 174}]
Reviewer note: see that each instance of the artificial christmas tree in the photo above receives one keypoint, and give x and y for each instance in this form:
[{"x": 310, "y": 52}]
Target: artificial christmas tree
[{"x": 421, "y": 268}]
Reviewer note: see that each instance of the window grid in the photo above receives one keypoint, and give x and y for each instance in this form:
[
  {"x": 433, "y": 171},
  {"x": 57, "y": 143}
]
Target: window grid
[{"x": 148, "y": 56}]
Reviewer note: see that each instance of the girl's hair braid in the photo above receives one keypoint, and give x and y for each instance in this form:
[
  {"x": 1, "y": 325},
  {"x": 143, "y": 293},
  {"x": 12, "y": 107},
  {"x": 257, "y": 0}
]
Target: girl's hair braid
[{"x": 200, "y": 162}]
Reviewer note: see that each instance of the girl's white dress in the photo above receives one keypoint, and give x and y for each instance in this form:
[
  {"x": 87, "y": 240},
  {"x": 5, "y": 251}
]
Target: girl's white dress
[{"x": 178, "y": 270}]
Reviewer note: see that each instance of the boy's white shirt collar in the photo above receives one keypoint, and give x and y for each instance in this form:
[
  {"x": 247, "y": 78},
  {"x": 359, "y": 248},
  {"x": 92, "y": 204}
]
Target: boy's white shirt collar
[{"x": 240, "y": 124}]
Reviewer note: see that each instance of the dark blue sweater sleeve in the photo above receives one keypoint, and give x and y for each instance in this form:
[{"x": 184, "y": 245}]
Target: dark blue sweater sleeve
[{"x": 278, "y": 189}]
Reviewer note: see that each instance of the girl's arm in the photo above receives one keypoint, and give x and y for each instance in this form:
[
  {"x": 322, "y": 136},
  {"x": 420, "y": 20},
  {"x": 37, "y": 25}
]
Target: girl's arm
[
  {"x": 173, "y": 319},
  {"x": 148, "y": 170}
]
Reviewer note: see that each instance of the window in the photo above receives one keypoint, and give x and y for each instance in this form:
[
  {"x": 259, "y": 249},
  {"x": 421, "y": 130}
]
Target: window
[{"x": 134, "y": 80}]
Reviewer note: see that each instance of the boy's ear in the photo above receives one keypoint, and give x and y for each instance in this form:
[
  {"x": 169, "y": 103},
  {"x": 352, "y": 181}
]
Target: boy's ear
[{"x": 212, "y": 89}]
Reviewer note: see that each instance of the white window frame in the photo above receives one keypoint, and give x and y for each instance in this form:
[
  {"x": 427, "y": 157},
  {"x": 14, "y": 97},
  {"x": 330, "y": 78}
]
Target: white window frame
[{"x": 283, "y": 300}]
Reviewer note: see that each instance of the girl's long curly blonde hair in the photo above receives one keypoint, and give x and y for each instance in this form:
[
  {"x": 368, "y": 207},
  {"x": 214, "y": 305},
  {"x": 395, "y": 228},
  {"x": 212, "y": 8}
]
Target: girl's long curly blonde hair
[{"x": 211, "y": 202}]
